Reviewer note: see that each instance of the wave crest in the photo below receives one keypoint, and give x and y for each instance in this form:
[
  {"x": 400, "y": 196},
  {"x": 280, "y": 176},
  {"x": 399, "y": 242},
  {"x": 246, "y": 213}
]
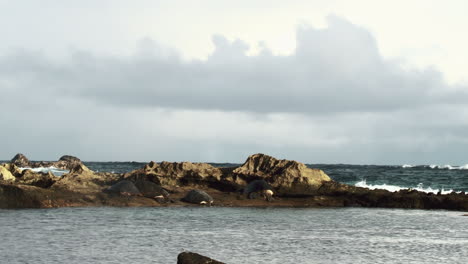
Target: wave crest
[
  {"x": 54, "y": 170},
  {"x": 396, "y": 188}
]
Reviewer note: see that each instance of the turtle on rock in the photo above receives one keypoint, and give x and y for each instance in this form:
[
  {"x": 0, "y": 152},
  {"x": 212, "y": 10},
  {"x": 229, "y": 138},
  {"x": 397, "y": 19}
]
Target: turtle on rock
[
  {"x": 259, "y": 187},
  {"x": 125, "y": 187},
  {"x": 152, "y": 190},
  {"x": 198, "y": 197}
]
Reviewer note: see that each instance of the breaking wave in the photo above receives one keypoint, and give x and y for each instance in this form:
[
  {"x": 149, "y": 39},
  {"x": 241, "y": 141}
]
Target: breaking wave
[
  {"x": 54, "y": 170},
  {"x": 439, "y": 167},
  {"x": 395, "y": 188}
]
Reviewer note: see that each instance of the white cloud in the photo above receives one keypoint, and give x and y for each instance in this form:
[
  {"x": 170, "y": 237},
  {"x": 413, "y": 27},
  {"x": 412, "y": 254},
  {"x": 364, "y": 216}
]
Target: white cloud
[{"x": 334, "y": 99}]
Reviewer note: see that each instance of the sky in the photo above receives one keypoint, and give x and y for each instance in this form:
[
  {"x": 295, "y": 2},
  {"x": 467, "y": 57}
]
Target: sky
[{"x": 356, "y": 82}]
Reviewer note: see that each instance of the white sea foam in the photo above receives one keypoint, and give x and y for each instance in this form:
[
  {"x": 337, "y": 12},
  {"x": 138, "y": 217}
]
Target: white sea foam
[
  {"x": 395, "y": 188},
  {"x": 438, "y": 167},
  {"x": 54, "y": 170}
]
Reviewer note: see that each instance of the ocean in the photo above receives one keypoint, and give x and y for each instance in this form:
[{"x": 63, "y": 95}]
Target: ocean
[
  {"x": 249, "y": 235},
  {"x": 233, "y": 235}
]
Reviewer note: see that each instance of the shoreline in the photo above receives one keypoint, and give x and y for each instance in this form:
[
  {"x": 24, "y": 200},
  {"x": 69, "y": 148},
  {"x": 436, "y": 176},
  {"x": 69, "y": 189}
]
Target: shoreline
[{"x": 291, "y": 185}]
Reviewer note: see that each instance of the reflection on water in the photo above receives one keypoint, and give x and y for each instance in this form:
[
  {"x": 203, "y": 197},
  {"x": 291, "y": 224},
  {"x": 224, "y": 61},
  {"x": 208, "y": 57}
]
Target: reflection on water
[{"x": 233, "y": 235}]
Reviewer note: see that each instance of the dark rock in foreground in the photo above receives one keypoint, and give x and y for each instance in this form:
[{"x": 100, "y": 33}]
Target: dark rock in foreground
[{"x": 194, "y": 258}]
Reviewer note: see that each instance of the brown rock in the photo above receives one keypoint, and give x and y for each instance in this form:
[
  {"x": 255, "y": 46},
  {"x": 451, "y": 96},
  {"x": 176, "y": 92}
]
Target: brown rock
[
  {"x": 43, "y": 180},
  {"x": 288, "y": 177},
  {"x": 177, "y": 173},
  {"x": 5, "y": 173},
  {"x": 67, "y": 162},
  {"x": 194, "y": 258},
  {"x": 20, "y": 160},
  {"x": 83, "y": 180}
]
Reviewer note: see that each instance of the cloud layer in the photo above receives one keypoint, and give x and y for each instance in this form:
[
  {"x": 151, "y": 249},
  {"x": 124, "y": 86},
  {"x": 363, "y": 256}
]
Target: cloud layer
[{"x": 335, "y": 99}]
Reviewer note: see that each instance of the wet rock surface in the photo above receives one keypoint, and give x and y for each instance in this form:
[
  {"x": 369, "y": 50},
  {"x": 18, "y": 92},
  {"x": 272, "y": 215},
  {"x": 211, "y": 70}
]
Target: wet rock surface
[
  {"x": 194, "y": 258},
  {"x": 183, "y": 183}
]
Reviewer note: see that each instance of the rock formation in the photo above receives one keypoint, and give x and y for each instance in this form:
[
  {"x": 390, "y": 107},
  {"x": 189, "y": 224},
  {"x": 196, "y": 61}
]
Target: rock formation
[
  {"x": 20, "y": 160},
  {"x": 177, "y": 173},
  {"x": 5, "y": 174},
  {"x": 292, "y": 182},
  {"x": 194, "y": 258},
  {"x": 83, "y": 180},
  {"x": 65, "y": 162},
  {"x": 288, "y": 177}
]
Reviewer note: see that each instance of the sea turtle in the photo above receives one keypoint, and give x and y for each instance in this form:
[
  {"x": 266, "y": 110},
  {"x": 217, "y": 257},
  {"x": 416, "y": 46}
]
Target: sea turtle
[
  {"x": 257, "y": 187},
  {"x": 124, "y": 187},
  {"x": 198, "y": 197},
  {"x": 152, "y": 190}
]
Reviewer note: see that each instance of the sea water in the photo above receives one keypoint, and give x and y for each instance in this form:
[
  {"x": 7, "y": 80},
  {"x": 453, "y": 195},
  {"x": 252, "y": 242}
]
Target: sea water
[{"x": 233, "y": 235}]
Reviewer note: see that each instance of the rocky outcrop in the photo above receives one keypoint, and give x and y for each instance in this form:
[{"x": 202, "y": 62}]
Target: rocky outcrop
[
  {"x": 23, "y": 196},
  {"x": 194, "y": 258},
  {"x": 5, "y": 174},
  {"x": 9, "y": 172},
  {"x": 173, "y": 174},
  {"x": 20, "y": 160},
  {"x": 43, "y": 180},
  {"x": 65, "y": 162},
  {"x": 83, "y": 180},
  {"x": 288, "y": 177}
]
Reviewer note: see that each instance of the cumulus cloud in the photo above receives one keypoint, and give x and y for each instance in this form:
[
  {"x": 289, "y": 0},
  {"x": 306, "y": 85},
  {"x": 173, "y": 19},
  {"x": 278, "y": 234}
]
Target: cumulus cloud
[
  {"x": 335, "y": 69},
  {"x": 334, "y": 99}
]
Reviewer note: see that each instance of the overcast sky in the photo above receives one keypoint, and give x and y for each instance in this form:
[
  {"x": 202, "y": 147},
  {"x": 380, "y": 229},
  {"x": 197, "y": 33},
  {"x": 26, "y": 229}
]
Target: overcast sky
[{"x": 363, "y": 82}]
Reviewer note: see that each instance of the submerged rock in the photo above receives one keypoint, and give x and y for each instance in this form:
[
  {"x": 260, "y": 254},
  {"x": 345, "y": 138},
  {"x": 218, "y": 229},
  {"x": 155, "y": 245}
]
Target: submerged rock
[
  {"x": 194, "y": 258},
  {"x": 288, "y": 177},
  {"x": 198, "y": 197}
]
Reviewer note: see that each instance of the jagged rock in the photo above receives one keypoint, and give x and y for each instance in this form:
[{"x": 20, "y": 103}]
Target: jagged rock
[
  {"x": 43, "y": 180},
  {"x": 288, "y": 177},
  {"x": 67, "y": 162},
  {"x": 20, "y": 160},
  {"x": 198, "y": 197},
  {"x": 194, "y": 258},
  {"x": 81, "y": 179},
  {"x": 176, "y": 173},
  {"x": 5, "y": 173},
  {"x": 79, "y": 169}
]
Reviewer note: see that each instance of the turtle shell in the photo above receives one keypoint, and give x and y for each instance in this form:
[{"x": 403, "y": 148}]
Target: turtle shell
[
  {"x": 197, "y": 196},
  {"x": 151, "y": 189},
  {"x": 124, "y": 187},
  {"x": 257, "y": 186}
]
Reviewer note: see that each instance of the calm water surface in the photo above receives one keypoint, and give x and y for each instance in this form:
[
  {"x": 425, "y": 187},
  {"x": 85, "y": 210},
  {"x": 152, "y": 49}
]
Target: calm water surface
[{"x": 233, "y": 235}]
